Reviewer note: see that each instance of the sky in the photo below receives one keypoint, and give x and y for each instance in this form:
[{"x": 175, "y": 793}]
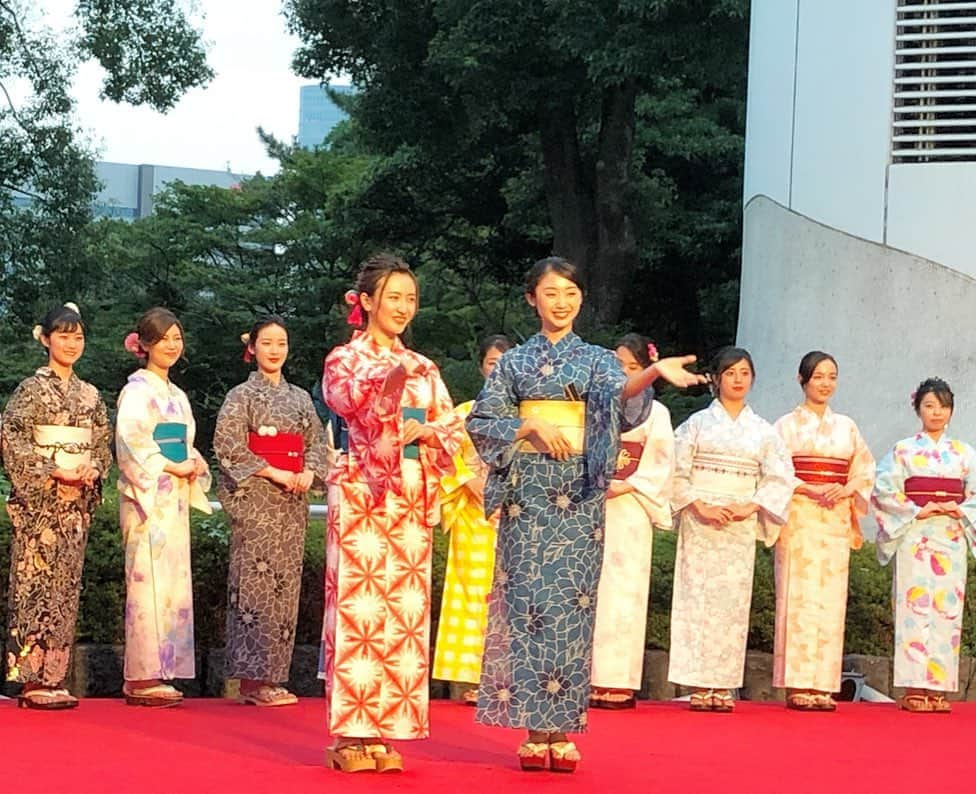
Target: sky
[{"x": 213, "y": 127}]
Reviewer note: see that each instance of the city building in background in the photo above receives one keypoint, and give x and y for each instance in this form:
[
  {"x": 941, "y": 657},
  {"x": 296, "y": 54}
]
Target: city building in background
[
  {"x": 860, "y": 183},
  {"x": 318, "y": 114}
]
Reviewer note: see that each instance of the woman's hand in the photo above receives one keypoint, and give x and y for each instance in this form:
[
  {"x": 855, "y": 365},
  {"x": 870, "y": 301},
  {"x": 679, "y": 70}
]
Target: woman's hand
[
  {"x": 415, "y": 431},
  {"x": 929, "y": 510},
  {"x": 547, "y": 438},
  {"x": 619, "y": 488},
  {"x": 716, "y": 515},
  {"x": 740, "y": 512},
  {"x": 187, "y": 470},
  {"x": 951, "y": 508},
  {"x": 285, "y": 479},
  {"x": 303, "y": 481},
  {"x": 674, "y": 372}
]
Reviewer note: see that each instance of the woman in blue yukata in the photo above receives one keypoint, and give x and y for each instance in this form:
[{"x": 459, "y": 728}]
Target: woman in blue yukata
[{"x": 548, "y": 424}]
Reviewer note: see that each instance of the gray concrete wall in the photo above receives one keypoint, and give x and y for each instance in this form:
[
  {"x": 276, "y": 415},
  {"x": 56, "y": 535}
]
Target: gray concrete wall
[{"x": 890, "y": 318}]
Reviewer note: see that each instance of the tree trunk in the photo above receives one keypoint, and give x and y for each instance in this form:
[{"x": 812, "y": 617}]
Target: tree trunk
[
  {"x": 612, "y": 272},
  {"x": 570, "y": 197}
]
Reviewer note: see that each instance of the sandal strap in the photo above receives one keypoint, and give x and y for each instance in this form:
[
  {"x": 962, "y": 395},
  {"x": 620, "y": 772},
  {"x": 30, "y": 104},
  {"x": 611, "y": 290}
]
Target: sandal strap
[
  {"x": 529, "y": 749},
  {"x": 562, "y": 749}
]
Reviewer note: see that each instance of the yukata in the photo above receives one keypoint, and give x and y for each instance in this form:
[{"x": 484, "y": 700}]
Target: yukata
[
  {"x": 812, "y": 554},
  {"x": 154, "y": 513},
  {"x": 929, "y": 580},
  {"x": 539, "y": 642},
  {"x": 470, "y": 564},
  {"x": 50, "y": 519},
  {"x": 382, "y": 510},
  {"x": 625, "y": 580},
  {"x": 268, "y": 524},
  {"x": 720, "y": 460}
]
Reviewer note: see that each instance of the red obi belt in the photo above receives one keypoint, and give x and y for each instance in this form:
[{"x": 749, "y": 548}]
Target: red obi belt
[
  {"x": 922, "y": 490},
  {"x": 628, "y": 459},
  {"x": 283, "y": 451},
  {"x": 822, "y": 471}
]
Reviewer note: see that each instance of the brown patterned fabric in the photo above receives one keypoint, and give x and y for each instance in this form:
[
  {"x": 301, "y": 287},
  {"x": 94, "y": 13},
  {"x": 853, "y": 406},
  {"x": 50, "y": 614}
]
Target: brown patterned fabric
[{"x": 50, "y": 524}]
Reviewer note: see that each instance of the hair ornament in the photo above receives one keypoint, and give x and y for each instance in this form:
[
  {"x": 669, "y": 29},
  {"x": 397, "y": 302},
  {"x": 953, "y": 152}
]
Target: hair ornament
[
  {"x": 652, "y": 353},
  {"x": 356, "y": 308},
  {"x": 911, "y": 398},
  {"x": 37, "y": 332},
  {"x": 246, "y": 341},
  {"x": 131, "y": 343},
  {"x": 74, "y": 307}
]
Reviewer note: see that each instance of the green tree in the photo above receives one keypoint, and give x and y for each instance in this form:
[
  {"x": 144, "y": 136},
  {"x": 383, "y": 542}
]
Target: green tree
[{"x": 496, "y": 85}]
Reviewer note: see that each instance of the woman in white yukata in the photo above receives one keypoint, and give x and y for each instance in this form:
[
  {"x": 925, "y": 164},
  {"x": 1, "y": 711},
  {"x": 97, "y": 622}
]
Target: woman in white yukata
[
  {"x": 925, "y": 508},
  {"x": 732, "y": 485},
  {"x": 638, "y": 500}
]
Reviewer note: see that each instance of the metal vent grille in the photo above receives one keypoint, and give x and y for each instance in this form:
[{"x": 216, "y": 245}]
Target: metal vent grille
[{"x": 935, "y": 82}]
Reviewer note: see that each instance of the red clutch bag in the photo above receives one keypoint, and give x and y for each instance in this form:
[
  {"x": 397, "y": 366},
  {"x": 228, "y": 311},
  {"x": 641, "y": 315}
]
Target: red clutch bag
[
  {"x": 922, "y": 490},
  {"x": 283, "y": 451},
  {"x": 628, "y": 459}
]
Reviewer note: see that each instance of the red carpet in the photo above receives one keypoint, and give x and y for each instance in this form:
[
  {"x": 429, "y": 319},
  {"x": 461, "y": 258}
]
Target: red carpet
[{"x": 216, "y": 746}]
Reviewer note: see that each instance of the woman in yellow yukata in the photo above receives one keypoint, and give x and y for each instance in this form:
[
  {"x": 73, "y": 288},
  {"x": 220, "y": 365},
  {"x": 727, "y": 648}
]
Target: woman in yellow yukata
[
  {"x": 834, "y": 474},
  {"x": 470, "y": 555},
  {"x": 926, "y": 512}
]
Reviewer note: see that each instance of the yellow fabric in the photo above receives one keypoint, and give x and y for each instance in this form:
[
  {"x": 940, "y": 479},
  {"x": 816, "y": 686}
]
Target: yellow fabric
[
  {"x": 568, "y": 415},
  {"x": 470, "y": 565}
]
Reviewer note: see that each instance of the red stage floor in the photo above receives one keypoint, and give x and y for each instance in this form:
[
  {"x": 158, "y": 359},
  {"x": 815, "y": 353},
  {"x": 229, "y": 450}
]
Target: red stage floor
[{"x": 216, "y": 746}]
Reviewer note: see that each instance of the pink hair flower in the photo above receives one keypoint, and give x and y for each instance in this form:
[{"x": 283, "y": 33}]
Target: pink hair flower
[
  {"x": 652, "y": 353},
  {"x": 356, "y": 311},
  {"x": 131, "y": 344}
]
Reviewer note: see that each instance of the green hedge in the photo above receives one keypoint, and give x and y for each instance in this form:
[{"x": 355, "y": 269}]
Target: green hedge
[{"x": 869, "y": 620}]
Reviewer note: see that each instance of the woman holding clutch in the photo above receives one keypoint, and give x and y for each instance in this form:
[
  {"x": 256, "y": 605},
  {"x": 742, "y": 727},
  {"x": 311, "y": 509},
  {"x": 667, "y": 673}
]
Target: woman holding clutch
[
  {"x": 161, "y": 476},
  {"x": 55, "y": 452}
]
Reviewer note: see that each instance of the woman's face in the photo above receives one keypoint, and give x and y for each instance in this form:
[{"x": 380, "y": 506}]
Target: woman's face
[
  {"x": 934, "y": 415},
  {"x": 489, "y": 361},
  {"x": 167, "y": 351},
  {"x": 735, "y": 381},
  {"x": 64, "y": 348},
  {"x": 628, "y": 362},
  {"x": 393, "y": 305},
  {"x": 822, "y": 384},
  {"x": 270, "y": 349},
  {"x": 557, "y": 300}
]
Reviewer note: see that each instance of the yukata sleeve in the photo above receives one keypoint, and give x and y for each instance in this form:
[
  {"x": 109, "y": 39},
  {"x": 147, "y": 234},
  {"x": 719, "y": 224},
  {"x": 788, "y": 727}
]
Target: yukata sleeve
[
  {"x": 652, "y": 479},
  {"x": 101, "y": 433},
  {"x": 784, "y": 427},
  {"x": 353, "y": 386},
  {"x": 685, "y": 444},
  {"x": 28, "y": 471},
  {"x": 608, "y": 384},
  {"x": 968, "y": 506},
  {"x": 861, "y": 475},
  {"x": 894, "y": 512},
  {"x": 775, "y": 488},
  {"x": 201, "y": 484},
  {"x": 317, "y": 454},
  {"x": 455, "y": 497},
  {"x": 494, "y": 421},
  {"x": 139, "y": 457},
  {"x": 446, "y": 424},
  {"x": 234, "y": 457}
]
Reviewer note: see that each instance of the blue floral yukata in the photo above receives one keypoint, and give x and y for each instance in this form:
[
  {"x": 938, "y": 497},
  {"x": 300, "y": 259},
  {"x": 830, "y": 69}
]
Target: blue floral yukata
[{"x": 539, "y": 643}]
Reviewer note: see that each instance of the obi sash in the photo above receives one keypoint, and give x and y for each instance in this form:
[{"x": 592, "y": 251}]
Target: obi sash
[
  {"x": 69, "y": 447},
  {"x": 282, "y": 450},
  {"x": 922, "y": 490},
  {"x": 724, "y": 475},
  {"x": 568, "y": 415},
  {"x": 628, "y": 459},
  {"x": 821, "y": 470},
  {"x": 411, "y": 451},
  {"x": 171, "y": 438}
]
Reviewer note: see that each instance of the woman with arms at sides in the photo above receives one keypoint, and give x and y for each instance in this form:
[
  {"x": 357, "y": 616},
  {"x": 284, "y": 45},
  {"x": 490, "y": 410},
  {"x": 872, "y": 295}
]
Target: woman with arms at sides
[
  {"x": 161, "y": 476},
  {"x": 548, "y": 424},
  {"x": 637, "y": 501},
  {"x": 926, "y": 512},
  {"x": 834, "y": 474},
  {"x": 270, "y": 446},
  {"x": 402, "y": 436},
  {"x": 733, "y": 480},
  {"x": 470, "y": 555},
  {"x": 55, "y": 452}
]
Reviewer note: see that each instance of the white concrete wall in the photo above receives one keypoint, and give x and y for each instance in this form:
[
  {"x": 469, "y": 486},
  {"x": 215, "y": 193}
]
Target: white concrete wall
[
  {"x": 842, "y": 124},
  {"x": 932, "y": 212},
  {"x": 120, "y": 184},
  {"x": 890, "y": 318},
  {"x": 769, "y": 116}
]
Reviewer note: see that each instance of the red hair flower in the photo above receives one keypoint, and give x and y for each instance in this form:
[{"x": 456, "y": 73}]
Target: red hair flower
[{"x": 356, "y": 311}]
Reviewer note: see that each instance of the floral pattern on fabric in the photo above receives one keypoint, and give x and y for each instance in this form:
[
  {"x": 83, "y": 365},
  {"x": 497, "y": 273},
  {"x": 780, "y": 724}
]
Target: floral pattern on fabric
[
  {"x": 929, "y": 579},
  {"x": 539, "y": 642},
  {"x": 714, "y": 565},
  {"x": 268, "y": 525},
  {"x": 812, "y": 555},
  {"x": 50, "y": 524},
  {"x": 154, "y": 512},
  {"x": 382, "y": 509}
]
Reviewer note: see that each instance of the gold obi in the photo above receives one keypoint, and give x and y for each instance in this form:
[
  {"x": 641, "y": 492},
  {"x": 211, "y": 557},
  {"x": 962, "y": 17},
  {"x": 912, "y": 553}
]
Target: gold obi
[
  {"x": 67, "y": 446},
  {"x": 724, "y": 475},
  {"x": 568, "y": 415}
]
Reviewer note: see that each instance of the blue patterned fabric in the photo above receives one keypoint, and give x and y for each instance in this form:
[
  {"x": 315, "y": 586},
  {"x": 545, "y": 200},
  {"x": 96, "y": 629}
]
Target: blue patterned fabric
[{"x": 538, "y": 647}]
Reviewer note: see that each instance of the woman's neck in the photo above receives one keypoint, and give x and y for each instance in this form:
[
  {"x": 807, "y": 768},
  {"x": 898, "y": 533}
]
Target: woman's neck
[
  {"x": 155, "y": 369},
  {"x": 935, "y": 435},
  {"x": 381, "y": 337},
  {"x": 818, "y": 408},
  {"x": 732, "y": 407},
  {"x": 554, "y": 335}
]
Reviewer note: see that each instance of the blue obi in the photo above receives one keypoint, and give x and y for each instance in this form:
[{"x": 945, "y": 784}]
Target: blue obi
[{"x": 171, "y": 437}]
